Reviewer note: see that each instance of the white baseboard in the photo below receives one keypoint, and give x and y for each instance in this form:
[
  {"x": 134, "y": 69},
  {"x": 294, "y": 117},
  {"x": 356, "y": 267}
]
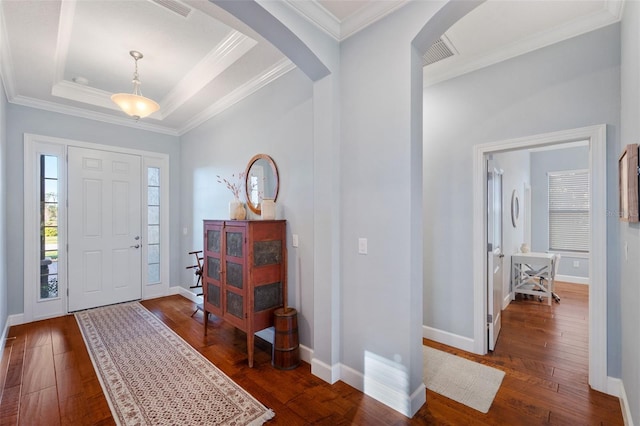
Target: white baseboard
[
  {"x": 572, "y": 279},
  {"x": 185, "y": 293},
  {"x": 5, "y": 333},
  {"x": 391, "y": 397},
  {"x": 328, "y": 373},
  {"x": 306, "y": 354},
  {"x": 16, "y": 319},
  {"x": 506, "y": 301},
  {"x": 449, "y": 339},
  {"x": 616, "y": 388}
]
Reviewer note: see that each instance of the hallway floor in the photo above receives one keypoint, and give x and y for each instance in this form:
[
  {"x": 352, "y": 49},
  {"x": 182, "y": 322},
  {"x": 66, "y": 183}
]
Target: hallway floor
[{"x": 46, "y": 375}]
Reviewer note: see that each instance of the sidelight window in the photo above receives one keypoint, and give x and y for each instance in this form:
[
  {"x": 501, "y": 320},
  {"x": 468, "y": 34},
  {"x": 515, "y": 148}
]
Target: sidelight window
[
  {"x": 153, "y": 225},
  {"x": 49, "y": 196}
]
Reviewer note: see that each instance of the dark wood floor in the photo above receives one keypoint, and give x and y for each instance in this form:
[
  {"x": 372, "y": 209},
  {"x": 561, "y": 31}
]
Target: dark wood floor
[{"x": 46, "y": 376}]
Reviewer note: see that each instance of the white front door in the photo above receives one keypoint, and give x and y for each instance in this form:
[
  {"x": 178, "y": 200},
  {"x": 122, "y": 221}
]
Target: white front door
[
  {"x": 494, "y": 252},
  {"x": 104, "y": 228}
]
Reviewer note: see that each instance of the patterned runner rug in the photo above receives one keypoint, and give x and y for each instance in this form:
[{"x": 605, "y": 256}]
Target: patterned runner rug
[{"x": 151, "y": 376}]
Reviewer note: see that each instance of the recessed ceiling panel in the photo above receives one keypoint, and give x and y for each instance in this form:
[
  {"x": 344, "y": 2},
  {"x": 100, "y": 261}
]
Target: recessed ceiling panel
[
  {"x": 343, "y": 9},
  {"x": 103, "y": 33}
]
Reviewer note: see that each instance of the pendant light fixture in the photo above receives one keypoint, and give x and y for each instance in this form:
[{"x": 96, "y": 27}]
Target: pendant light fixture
[{"x": 134, "y": 104}]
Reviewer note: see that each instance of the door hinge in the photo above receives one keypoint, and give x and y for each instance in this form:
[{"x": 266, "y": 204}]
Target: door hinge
[
  {"x": 67, "y": 292},
  {"x": 489, "y": 247},
  {"x": 638, "y": 170},
  {"x": 489, "y": 319}
]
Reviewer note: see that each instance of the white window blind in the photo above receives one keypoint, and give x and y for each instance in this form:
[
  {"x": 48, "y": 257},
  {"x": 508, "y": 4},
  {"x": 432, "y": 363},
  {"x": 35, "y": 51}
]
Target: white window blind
[{"x": 569, "y": 211}]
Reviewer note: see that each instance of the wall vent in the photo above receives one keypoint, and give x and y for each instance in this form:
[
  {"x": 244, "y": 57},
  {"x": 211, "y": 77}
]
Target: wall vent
[
  {"x": 437, "y": 52},
  {"x": 174, "y": 6}
]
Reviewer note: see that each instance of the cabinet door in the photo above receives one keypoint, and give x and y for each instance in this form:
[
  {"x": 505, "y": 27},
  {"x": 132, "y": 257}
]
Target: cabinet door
[
  {"x": 213, "y": 268},
  {"x": 235, "y": 282}
]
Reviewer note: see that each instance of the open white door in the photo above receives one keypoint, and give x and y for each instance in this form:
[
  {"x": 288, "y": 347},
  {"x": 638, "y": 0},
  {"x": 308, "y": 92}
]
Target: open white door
[
  {"x": 104, "y": 214},
  {"x": 495, "y": 255}
]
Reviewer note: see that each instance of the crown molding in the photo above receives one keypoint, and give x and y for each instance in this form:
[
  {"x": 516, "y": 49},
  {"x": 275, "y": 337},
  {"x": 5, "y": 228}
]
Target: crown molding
[
  {"x": 615, "y": 7},
  {"x": 73, "y": 90},
  {"x": 315, "y": 13},
  {"x": 271, "y": 74},
  {"x": 6, "y": 64},
  {"x": 85, "y": 94},
  {"x": 228, "y": 51},
  {"x": 455, "y": 66},
  {"x": 91, "y": 115},
  {"x": 366, "y": 16}
]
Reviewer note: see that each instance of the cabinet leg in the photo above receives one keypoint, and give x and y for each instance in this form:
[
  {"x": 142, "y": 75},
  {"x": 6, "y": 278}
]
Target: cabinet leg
[
  {"x": 206, "y": 320},
  {"x": 250, "y": 347}
]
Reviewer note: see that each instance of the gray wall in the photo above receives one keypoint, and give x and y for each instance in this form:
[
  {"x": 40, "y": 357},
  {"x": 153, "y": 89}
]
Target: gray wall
[
  {"x": 28, "y": 120},
  {"x": 276, "y": 120},
  {"x": 630, "y": 233},
  {"x": 3, "y": 210},
  {"x": 543, "y": 162},
  {"x": 568, "y": 85}
]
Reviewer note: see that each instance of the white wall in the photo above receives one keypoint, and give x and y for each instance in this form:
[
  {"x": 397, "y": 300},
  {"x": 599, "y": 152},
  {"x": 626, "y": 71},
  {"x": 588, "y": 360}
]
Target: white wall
[
  {"x": 568, "y": 85},
  {"x": 28, "y": 120},
  {"x": 630, "y": 233},
  {"x": 277, "y": 121},
  {"x": 515, "y": 166}
]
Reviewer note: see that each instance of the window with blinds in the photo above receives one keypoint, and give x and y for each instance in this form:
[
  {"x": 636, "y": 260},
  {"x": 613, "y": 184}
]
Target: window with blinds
[{"x": 569, "y": 211}]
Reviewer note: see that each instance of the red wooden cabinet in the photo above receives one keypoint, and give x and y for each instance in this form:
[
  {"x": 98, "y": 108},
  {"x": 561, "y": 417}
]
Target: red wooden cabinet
[{"x": 245, "y": 275}]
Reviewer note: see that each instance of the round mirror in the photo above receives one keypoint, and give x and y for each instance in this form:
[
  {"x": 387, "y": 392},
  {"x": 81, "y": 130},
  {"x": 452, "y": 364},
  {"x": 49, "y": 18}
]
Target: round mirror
[
  {"x": 515, "y": 208},
  {"x": 261, "y": 181}
]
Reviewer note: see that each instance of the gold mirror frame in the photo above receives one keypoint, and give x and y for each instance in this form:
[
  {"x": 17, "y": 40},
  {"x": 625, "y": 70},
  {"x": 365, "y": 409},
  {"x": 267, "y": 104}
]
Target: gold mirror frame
[{"x": 268, "y": 173}]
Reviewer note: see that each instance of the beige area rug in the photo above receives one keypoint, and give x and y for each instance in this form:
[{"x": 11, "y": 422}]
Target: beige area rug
[
  {"x": 468, "y": 382},
  {"x": 151, "y": 376}
]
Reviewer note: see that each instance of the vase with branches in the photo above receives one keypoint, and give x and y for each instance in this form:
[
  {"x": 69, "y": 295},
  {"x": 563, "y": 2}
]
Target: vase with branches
[{"x": 237, "y": 210}]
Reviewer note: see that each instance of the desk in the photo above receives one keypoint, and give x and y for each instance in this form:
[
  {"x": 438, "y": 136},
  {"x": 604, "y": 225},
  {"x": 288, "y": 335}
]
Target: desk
[{"x": 532, "y": 274}]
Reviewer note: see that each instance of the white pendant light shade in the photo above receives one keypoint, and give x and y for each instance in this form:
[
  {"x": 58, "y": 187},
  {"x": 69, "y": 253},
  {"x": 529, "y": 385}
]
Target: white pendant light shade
[{"x": 134, "y": 104}]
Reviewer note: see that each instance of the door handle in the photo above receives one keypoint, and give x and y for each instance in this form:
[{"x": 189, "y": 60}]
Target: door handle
[
  {"x": 136, "y": 246},
  {"x": 501, "y": 255}
]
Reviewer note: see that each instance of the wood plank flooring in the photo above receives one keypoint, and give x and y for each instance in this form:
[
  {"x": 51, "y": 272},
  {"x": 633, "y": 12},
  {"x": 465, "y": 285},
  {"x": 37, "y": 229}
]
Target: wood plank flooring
[{"x": 46, "y": 375}]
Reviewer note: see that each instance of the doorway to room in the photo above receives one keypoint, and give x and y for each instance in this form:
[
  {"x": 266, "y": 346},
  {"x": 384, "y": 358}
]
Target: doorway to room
[{"x": 596, "y": 137}]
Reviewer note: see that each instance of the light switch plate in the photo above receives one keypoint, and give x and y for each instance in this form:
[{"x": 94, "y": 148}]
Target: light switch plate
[
  {"x": 362, "y": 245},
  {"x": 294, "y": 240}
]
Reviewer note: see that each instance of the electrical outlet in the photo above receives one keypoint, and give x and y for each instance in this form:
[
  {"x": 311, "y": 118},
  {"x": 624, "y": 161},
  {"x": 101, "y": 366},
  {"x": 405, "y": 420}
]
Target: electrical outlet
[{"x": 576, "y": 263}]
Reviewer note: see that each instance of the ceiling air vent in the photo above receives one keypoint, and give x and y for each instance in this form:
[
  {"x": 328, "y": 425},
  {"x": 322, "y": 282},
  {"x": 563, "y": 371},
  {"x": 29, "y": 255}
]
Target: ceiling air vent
[
  {"x": 174, "y": 6},
  {"x": 437, "y": 52}
]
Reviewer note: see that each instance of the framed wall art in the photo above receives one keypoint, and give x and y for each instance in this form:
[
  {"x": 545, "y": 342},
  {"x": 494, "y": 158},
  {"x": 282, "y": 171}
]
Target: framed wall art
[{"x": 628, "y": 181}]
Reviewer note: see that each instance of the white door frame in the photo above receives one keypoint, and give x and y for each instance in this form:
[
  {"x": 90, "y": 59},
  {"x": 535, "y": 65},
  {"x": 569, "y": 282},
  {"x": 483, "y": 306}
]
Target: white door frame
[
  {"x": 31, "y": 224},
  {"x": 597, "y": 137}
]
